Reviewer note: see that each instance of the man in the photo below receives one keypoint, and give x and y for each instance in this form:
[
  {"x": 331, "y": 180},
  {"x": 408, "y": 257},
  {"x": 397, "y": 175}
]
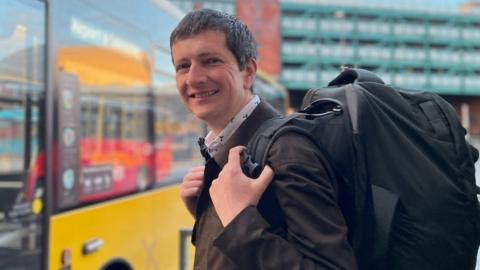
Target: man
[{"x": 295, "y": 223}]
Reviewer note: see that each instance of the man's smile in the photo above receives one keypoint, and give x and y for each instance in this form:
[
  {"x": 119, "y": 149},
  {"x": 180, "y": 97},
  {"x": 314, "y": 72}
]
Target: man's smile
[{"x": 203, "y": 94}]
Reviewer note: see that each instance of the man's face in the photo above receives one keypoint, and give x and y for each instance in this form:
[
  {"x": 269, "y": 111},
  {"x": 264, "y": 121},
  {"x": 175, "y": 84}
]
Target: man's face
[{"x": 209, "y": 79}]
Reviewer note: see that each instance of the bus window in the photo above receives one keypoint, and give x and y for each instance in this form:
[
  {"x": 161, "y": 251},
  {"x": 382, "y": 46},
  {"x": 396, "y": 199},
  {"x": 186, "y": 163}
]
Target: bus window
[
  {"x": 112, "y": 121},
  {"x": 21, "y": 99},
  {"x": 88, "y": 115},
  {"x": 176, "y": 133},
  {"x": 111, "y": 62},
  {"x": 12, "y": 131}
]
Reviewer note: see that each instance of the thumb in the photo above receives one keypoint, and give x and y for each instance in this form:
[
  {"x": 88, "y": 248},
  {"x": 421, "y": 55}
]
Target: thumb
[{"x": 264, "y": 179}]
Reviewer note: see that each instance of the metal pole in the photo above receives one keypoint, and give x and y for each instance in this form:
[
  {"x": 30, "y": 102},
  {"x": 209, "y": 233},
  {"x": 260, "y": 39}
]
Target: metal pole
[{"x": 184, "y": 235}]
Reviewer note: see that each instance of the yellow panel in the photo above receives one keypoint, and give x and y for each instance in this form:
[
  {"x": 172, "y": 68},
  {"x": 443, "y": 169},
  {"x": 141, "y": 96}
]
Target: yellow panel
[
  {"x": 141, "y": 229},
  {"x": 97, "y": 66}
]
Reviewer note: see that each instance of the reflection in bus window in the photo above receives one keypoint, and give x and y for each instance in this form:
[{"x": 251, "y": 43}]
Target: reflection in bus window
[
  {"x": 21, "y": 99},
  {"x": 89, "y": 112},
  {"x": 112, "y": 64},
  {"x": 114, "y": 135},
  {"x": 12, "y": 125},
  {"x": 112, "y": 123}
]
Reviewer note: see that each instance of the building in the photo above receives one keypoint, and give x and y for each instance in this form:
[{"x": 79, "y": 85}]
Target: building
[{"x": 437, "y": 51}]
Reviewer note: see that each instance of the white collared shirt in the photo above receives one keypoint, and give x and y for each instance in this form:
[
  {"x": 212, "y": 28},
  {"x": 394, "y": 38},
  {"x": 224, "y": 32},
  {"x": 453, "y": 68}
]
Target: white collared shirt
[{"x": 213, "y": 143}]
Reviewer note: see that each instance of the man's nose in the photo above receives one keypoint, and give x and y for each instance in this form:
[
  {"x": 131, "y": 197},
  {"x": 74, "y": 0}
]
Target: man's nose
[{"x": 196, "y": 74}]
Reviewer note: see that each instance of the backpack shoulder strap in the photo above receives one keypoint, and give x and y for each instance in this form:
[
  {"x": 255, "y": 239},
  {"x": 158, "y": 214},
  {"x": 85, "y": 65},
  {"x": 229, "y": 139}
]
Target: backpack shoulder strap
[{"x": 259, "y": 145}]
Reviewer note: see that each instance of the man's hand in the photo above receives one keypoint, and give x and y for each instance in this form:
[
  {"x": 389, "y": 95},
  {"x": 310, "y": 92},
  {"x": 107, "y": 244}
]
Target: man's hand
[
  {"x": 233, "y": 191},
  {"x": 191, "y": 188}
]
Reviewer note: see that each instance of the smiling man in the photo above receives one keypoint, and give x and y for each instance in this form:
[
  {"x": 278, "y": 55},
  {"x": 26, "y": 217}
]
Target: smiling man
[
  {"x": 209, "y": 79},
  {"x": 287, "y": 218}
]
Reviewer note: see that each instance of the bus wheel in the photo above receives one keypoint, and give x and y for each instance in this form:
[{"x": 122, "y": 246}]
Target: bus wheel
[{"x": 117, "y": 265}]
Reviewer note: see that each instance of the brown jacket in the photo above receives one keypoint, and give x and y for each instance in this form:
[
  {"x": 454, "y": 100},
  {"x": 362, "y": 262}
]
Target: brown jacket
[{"x": 297, "y": 224}]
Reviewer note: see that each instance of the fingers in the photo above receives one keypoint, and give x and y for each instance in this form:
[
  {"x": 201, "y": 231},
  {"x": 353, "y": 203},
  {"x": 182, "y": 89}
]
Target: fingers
[
  {"x": 232, "y": 192},
  {"x": 234, "y": 154},
  {"x": 264, "y": 179},
  {"x": 266, "y": 175},
  {"x": 192, "y": 183},
  {"x": 196, "y": 170},
  {"x": 191, "y": 188},
  {"x": 194, "y": 174}
]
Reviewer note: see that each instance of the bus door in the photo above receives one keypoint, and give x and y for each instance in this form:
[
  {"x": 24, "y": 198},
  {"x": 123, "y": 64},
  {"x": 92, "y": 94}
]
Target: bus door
[{"x": 22, "y": 89}]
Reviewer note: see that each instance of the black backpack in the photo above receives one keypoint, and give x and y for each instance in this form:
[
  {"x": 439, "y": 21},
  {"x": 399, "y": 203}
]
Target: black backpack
[{"x": 405, "y": 173}]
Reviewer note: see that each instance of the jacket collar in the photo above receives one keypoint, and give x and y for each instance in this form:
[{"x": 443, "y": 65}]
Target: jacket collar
[{"x": 245, "y": 131}]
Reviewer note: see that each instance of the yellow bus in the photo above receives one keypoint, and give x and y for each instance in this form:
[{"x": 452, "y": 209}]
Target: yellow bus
[{"x": 93, "y": 138}]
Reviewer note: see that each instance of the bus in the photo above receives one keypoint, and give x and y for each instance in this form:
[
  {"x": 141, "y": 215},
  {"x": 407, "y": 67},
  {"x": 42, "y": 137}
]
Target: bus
[{"x": 94, "y": 139}]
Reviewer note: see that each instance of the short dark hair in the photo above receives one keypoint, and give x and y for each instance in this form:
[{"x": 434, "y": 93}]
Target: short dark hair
[{"x": 239, "y": 39}]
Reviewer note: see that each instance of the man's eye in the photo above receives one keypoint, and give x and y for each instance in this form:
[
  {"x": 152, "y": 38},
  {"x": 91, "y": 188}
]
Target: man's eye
[
  {"x": 182, "y": 67},
  {"x": 212, "y": 61}
]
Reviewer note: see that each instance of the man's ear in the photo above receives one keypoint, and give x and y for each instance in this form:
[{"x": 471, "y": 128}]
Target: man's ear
[{"x": 250, "y": 73}]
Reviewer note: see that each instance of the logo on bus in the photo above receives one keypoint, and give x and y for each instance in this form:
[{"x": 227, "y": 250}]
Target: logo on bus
[{"x": 68, "y": 179}]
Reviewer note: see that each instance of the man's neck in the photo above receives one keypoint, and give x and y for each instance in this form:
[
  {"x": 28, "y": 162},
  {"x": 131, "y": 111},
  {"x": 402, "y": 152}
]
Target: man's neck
[
  {"x": 217, "y": 125},
  {"x": 218, "y": 137}
]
